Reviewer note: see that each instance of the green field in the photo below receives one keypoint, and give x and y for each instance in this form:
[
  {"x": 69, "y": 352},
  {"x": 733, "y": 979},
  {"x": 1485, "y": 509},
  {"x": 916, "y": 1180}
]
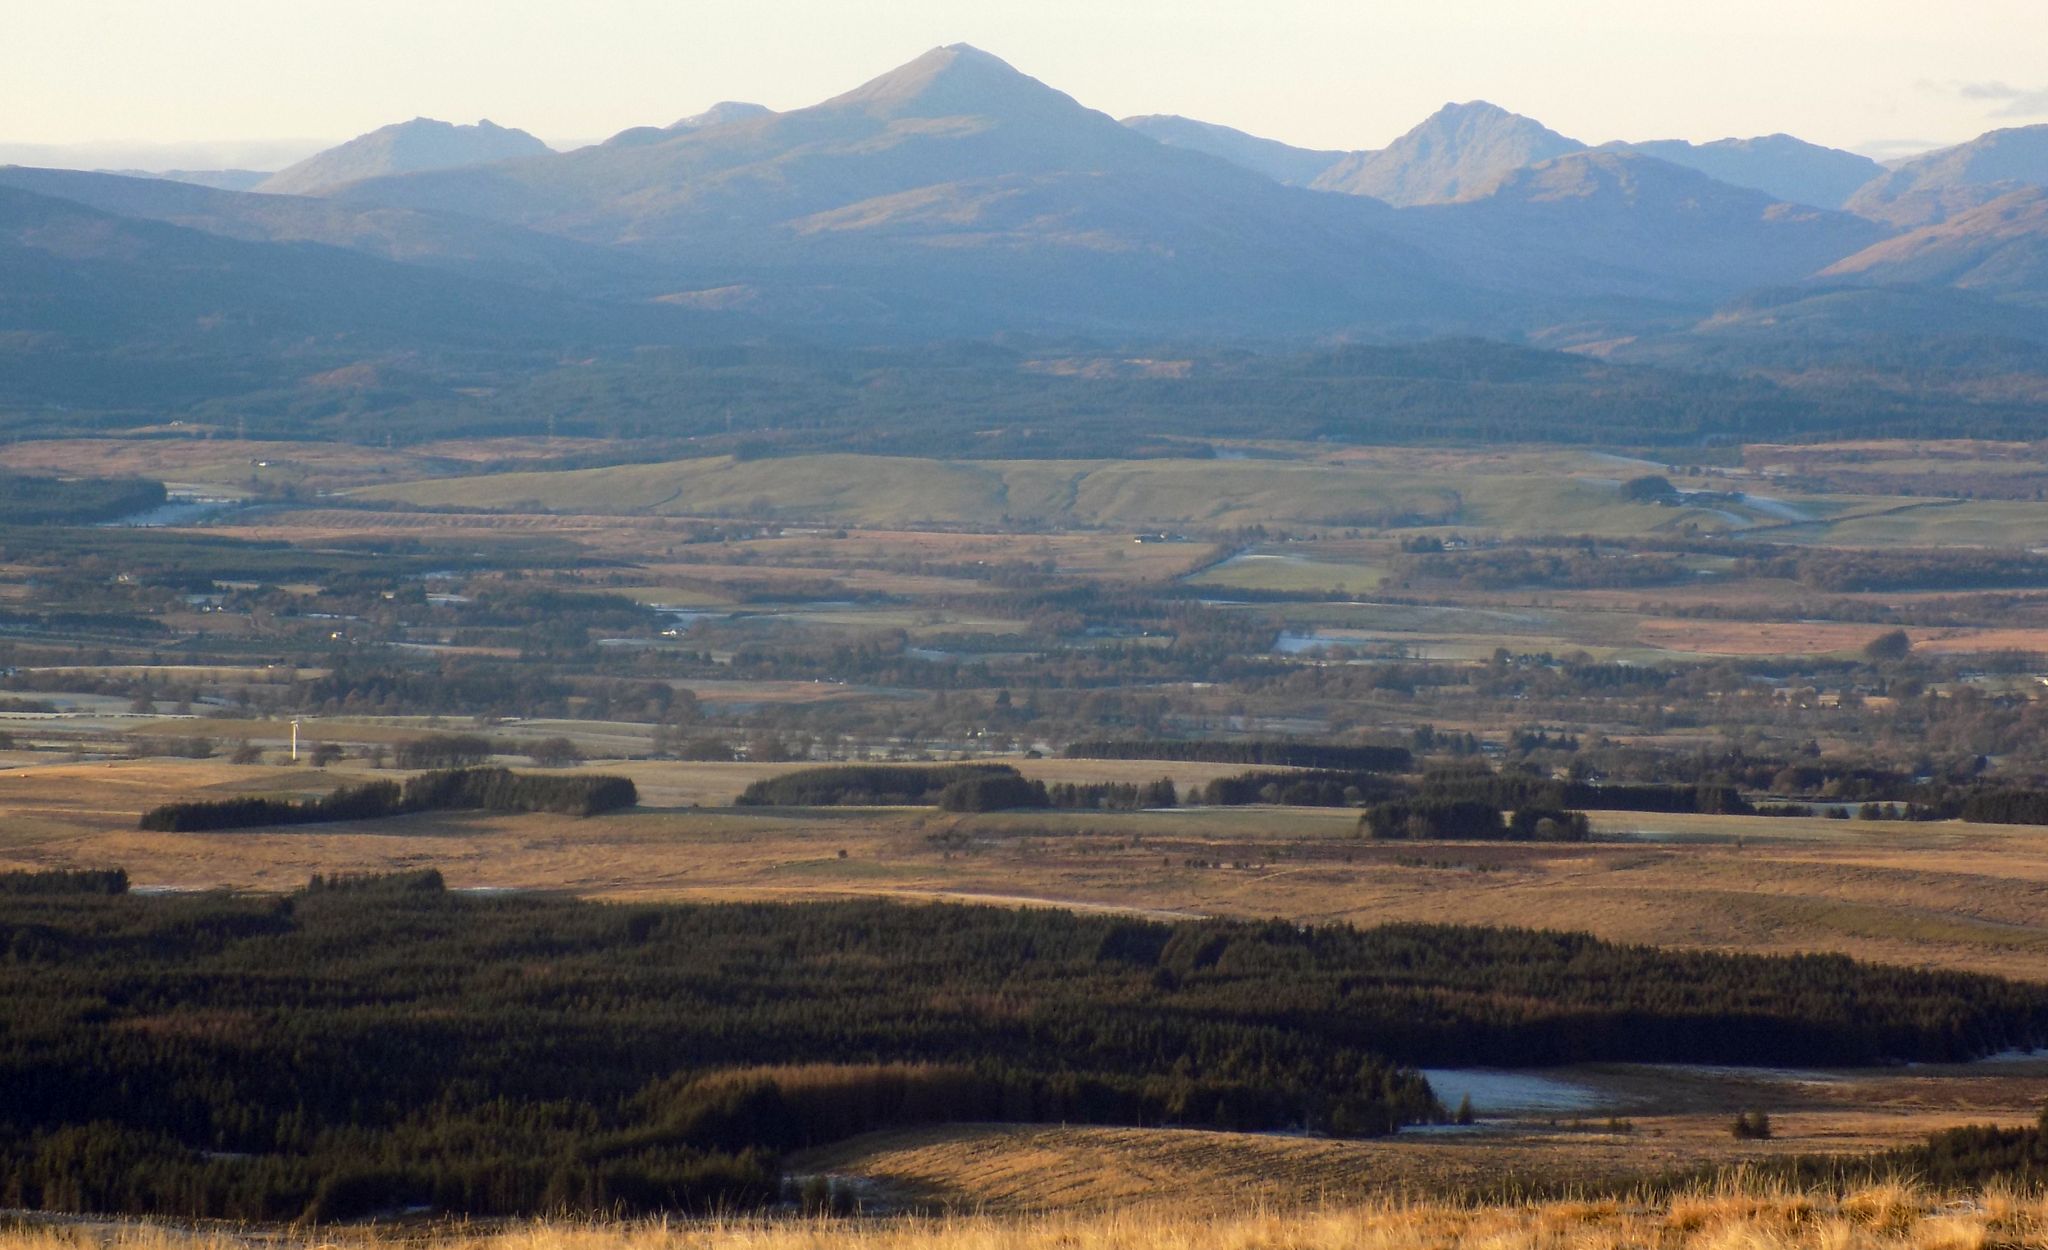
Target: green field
[
  {"x": 1265, "y": 571},
  {"x": 883, "y": 490},
  {"x": 1506, "y": 495}
]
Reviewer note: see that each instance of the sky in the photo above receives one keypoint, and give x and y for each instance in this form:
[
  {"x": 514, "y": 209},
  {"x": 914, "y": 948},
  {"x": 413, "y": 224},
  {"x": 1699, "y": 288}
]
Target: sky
[{"x": 261, "y": 80}]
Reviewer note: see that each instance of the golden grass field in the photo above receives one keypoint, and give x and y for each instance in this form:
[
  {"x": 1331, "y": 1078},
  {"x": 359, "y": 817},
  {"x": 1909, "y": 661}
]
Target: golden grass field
[
  {"x": 1949, "y": 895},
  {"x": 1028, "y": 1169},
  {"x": 1730, "y": 1216}
]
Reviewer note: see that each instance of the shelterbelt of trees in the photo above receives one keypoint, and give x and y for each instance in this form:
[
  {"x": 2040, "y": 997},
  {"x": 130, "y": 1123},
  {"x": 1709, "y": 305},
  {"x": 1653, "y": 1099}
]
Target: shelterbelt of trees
[
  {"x": 1463, "y": 802},
  {"x": 369, "y": 1045},
  {"x": 458, "y": 789},
  {"x": 26, "y": 499}
]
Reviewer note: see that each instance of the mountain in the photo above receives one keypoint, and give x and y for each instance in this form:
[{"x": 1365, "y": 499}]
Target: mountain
[
  {"x": 724, "y": 113},
  {"x": 1459, "y": 151},
  {"x": 1611, "y": 224},
  {"x": 1941, "y": 184},
  {"x": 1283, "y": 163},
  {"x": 2000, "y": 248},
  {"x": 957, "y": 194},
  {"x": 480, "y": 249},
  {"x": 406, "y": 147},
  {"x": 1780, "y": 166}
]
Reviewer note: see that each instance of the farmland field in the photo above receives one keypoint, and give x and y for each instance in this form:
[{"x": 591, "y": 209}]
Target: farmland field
[{"x": 1961, "y": 896}]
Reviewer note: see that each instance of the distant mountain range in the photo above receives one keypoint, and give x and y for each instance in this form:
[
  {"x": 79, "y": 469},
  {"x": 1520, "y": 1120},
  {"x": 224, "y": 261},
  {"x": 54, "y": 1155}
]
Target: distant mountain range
[{"x": 955, "y": 197}]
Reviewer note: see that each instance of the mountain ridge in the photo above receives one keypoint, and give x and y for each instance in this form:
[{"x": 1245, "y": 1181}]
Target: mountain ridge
[
  {"x": 1282, "y": 162},
  {"x": 1782, "y": 166}
]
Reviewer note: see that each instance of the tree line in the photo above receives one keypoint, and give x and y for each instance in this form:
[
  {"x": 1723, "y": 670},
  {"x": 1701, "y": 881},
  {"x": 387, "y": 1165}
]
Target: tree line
[
  {"x": 461, "y": 789},
  {"x": 866, "y": 785}
]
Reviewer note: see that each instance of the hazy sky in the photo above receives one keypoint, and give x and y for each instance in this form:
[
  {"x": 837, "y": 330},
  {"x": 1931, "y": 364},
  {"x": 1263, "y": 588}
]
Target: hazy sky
[{"x": 1323, "y": 73}]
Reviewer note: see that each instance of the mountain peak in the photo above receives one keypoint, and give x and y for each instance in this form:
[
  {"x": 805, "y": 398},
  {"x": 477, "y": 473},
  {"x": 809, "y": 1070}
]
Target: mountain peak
[
  {"x": 1484, "y": 110},
  {"x": 1483, "y": 120},
  {"x": 402, "y": 148},
  {"x": 1456, "y": 152},
  {"x": 956, "y": 80}
]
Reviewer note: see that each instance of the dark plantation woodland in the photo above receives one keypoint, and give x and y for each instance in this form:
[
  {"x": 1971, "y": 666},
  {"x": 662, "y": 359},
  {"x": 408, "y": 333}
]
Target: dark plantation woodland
[
  {"x": 461, "y": 789},
  {"x": 368, "y": 1044},
  {"x": 26, "y": 499}
]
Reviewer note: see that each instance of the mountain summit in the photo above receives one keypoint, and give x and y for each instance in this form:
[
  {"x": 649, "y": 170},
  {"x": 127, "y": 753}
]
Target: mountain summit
[
  {"x": 1460, "y": 151},
  {"x": 407, "y": 147},
  {"x": 958, "y": 80}
]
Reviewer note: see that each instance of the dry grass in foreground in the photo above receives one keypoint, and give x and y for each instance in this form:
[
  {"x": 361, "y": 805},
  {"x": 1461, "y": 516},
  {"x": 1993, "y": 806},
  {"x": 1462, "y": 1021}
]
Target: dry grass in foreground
[{"x": 1893, "y": 1216}]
